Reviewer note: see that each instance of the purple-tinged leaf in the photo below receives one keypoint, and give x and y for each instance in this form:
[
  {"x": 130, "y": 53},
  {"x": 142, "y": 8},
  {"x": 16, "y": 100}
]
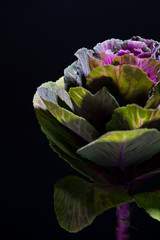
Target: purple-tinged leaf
[
  {"x": 123, "y": 52},
  {"x": 154, "y": 46},
  {"x": 83, "y": 62},
  {"x": 113, "y": 44},
  {"x": 58, "y": 94},
  {"x": 128, "y": 84},
  {"x": 122, "y": 148},
  {"x": 65, "y": 143},
  {"x": 133, "y": 117},
  {"x": 77, "y": 202},
  {"x": 148, "y": 42},
  {"x": 70, "y": 76},
  {"x": 77, "y": 72},
  {"x": 149, "y": 65},
  {"x": 135, "y": 47},
  {"x": 94, "y": 62},
  {"x": 107, "y": 58},
  {"x": 96, "y": 109},
  {"x": 77, "y": 124}
]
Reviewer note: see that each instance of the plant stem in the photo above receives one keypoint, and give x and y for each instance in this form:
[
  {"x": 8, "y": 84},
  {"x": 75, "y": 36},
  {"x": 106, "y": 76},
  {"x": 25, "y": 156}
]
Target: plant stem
[{"x": 123, "y": 217}]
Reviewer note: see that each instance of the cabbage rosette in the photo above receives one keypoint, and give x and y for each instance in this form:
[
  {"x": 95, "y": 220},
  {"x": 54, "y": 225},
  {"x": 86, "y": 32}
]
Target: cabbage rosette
[{"x": 103, "y": 118}]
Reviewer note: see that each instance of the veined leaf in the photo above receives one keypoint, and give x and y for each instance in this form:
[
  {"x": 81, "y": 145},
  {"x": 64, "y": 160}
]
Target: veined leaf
[
  {"x": 129, "y": 84},
  {"x": 94, "y": 62},
  {"x": 154, "y": 100},
  {"x": 70, "y": 76},
  {"x": 77, "y": 124},
  {"x": 83, "y": 61},
  {"x": 149, "y": 65},
  {"x": 65, "y": 142},
  {"x": 114, "y": 45},
  {"x": 78, "y": 202},
  {"x": 122, "y": 148},
  {"x": 96, "y": 109},
  {"x": 134, "y": 117},
  {"x": 58, "y": 94},
  {"x": 107, "y": 57},
  {"x": 150, "y": 201},
  {"x": 86, "y": 62}
]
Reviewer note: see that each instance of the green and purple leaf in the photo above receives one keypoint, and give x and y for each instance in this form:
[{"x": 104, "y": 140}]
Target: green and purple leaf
[
  {"x": 77, "y": 202},
  {"x": 73, "y": 122},
  {"x": 94, "y": 62},
  {"x": 65, "y": 142},
  {"x": 154, "y": 100},
  {"x": 149, "y": 65},
  {"x": 77, "y": 72},
  {"x": 83, "y": 63},
  {"x": 119, "y": 48},
  {"x": 122, "y": 148},
  {"x": 107, "y": 58},
  {"x": 86, "y": 62},
  {"x": 58, "y": 94},
  {"x": 114, "y": 45},
  {"x": 128, "y": 84},
  {"x": 71, "y": 76},
  {"x": 96, "y": 109},
  {"x": 133, "y": 117},
  {"x": 149, "y": 42}
]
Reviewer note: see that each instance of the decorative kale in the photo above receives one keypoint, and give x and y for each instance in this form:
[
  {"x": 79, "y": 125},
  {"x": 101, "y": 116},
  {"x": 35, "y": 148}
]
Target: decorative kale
[{"x": 103, "y": 118}]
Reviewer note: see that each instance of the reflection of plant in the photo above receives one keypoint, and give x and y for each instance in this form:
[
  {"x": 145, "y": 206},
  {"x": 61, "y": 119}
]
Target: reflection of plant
[{"x": 103, "y": 118}]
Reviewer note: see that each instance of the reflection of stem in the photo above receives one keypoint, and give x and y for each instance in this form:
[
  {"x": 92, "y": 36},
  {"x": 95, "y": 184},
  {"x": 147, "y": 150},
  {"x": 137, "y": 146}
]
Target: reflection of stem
[{"x": 123, "y": 217}]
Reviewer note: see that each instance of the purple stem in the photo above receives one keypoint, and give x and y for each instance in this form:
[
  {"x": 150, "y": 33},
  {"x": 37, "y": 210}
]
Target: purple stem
[{"x": 123, "y": 217}]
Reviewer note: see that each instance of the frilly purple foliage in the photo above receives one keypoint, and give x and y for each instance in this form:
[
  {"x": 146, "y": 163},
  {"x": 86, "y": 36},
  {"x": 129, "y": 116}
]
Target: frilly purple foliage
[{"x": 105, "y": 53}]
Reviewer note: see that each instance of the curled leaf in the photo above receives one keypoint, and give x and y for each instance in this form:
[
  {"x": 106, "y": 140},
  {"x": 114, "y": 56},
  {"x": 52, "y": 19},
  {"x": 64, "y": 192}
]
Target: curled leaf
[
  {"x": 77, "y": 202},
  {"x": 128, "y": 84}
]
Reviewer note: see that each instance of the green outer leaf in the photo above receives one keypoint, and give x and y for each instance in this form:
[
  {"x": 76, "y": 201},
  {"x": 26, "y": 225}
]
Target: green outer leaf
[
  {"x": 57, "y": 93},
  {"x": 78, "y": 202},
  {"x": 60, "y": 82},
  {"x": 134, "y": 117},
  {"x": 129, "y": 84},
  {"x": 123, "y": 148},
  {"x": 154, "y": 100},
  {"x": 96, "y": 109},
  {"x": 65, "y": 142},
  {"x": 150, "y": 201},
  {"x": 77, "y": 124}
]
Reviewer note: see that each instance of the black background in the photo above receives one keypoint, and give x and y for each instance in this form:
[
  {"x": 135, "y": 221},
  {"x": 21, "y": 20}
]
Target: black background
[{"x": 38, "y": 40}]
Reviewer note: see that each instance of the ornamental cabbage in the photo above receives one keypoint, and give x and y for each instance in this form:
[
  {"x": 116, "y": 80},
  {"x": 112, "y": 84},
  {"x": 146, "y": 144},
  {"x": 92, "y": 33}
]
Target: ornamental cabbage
[{"x": 103, "y": 118}]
